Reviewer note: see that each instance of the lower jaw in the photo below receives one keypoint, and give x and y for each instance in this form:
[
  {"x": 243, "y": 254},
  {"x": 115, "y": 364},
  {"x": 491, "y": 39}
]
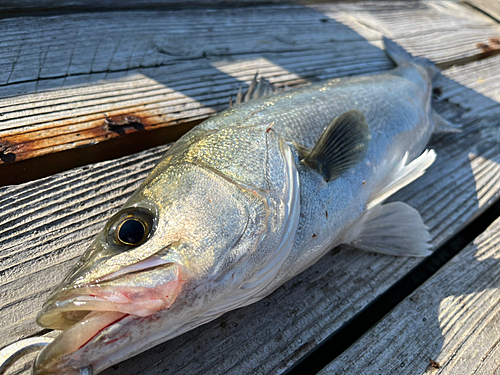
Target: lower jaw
[{"x": 51, "y": 359}]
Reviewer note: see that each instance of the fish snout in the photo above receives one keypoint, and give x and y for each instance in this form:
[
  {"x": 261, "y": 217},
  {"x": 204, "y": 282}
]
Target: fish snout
[
  {"x": 95, "y": 312},
  {"x": 140, "y": 293}
]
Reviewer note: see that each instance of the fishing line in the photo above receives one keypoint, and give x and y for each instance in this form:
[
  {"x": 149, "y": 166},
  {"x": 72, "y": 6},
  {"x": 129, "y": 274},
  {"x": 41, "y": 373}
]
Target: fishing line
[{"x": 14, "y": 351}]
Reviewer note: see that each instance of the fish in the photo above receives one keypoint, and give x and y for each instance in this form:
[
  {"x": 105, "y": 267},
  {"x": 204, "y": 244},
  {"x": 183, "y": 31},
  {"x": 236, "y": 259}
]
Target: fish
[{"x": 244, "y": 202}]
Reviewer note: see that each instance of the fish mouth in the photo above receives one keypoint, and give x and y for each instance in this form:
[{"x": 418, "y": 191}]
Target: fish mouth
[
  {"x": 86, "y": 312},
  {"x": 141, "y": 292},
  {"x": 56, "y": 358}
]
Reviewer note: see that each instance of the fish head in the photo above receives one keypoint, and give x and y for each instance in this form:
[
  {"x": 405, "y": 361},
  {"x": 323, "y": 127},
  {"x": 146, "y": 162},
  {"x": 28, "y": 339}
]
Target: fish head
[{"x": 180, "y": 243}]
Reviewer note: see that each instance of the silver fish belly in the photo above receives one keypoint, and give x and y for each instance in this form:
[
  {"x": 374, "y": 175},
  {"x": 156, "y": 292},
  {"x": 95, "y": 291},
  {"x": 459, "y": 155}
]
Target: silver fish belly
[{"x": 242, "y": 203}]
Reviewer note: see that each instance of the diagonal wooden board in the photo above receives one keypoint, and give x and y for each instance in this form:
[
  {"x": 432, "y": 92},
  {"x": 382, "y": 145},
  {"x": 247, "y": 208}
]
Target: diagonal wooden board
[
  {"x": 45, "y": 225},
  {"x": 490, "y": 7},
  {"x": 11, "y": 6},
  {"x": 74, "y": 80},
  {"x": 453, "y": 319}
]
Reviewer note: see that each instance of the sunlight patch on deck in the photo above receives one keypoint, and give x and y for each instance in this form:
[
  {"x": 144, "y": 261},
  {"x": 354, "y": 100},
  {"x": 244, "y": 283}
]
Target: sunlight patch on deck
[{"x": 245, "y": 70}]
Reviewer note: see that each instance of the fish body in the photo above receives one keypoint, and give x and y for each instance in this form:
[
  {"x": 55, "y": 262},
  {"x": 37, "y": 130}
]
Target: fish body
[{"x": 242, "y": 203}]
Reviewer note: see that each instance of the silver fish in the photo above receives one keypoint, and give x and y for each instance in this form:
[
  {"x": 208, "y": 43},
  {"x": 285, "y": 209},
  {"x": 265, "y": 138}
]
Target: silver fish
[{"x": 244, "y": 202}]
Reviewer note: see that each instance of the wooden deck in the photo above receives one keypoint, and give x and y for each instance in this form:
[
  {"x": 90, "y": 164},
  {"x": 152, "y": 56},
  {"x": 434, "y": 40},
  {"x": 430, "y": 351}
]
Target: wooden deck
[{"x": 80, "y": 88}]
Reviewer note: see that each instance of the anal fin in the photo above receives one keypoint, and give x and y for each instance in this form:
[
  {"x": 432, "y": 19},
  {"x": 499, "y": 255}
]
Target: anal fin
[
  {"x": 394, "y": 229},
  {"x": 442, "y": 125},
  {"x": 402, "y": 176}
]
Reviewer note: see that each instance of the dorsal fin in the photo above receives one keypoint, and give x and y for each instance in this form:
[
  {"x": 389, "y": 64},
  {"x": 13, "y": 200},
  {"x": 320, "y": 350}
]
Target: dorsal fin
[
  {"x": 342, "y": 145},
  {"x": 258, "y": 88},
  {"x": 400, "y": 56}
]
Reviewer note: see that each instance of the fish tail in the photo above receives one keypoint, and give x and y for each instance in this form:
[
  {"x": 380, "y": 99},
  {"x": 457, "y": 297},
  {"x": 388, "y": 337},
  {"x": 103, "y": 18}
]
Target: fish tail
[{"x": 400, "y": 56}]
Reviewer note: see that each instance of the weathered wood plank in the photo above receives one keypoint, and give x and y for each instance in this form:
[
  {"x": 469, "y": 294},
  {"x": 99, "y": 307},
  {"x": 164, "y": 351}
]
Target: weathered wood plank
[
  {"x": 490, "y": 7},
  {"x": 46, "y": 224},
  {"x": 75, "y": 80},
  {"x": 453, "y": 319},
  {"x": 25, "y": 6}
]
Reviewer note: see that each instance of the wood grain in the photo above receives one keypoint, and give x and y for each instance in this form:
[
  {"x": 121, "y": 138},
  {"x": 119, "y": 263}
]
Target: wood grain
[
  {"x": 74, "y": 80},
  {"x": 453, "y": 319},
  {"x": 489, "y": 7},
  {"x": 29, "y": 6},
  {"x": 46, "y": 224}
]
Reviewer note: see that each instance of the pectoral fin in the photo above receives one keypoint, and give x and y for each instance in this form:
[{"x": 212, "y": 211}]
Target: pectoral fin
[
  {"x": 394, "y": 228},
  {"x": 342, "y": 145}
]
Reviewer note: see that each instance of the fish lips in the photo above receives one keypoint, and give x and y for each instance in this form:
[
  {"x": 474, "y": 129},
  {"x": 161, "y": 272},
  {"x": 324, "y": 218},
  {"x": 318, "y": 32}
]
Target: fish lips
[
  {"x": 62, "y": 355},
  {"x": 88, "y": 312}
]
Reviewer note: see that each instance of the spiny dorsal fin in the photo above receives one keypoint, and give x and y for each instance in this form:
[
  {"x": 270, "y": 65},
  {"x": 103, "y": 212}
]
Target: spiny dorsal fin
[
  {"x": 394, "y": 228},
  {"x": 258, "y": 88},
  {"x": 342, "y": 145}
]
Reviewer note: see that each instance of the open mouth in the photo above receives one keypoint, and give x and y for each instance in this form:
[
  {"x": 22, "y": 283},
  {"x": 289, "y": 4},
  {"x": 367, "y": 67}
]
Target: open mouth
[
  {"x": 85, "y": 313},
  {"x": 73, "y": 339}
]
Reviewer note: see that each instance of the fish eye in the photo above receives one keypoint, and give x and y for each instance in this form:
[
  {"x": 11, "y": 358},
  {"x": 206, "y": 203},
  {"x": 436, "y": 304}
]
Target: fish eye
[
  {"x": 130, "y": 227},
  {"x": 131, "y": 231}
]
